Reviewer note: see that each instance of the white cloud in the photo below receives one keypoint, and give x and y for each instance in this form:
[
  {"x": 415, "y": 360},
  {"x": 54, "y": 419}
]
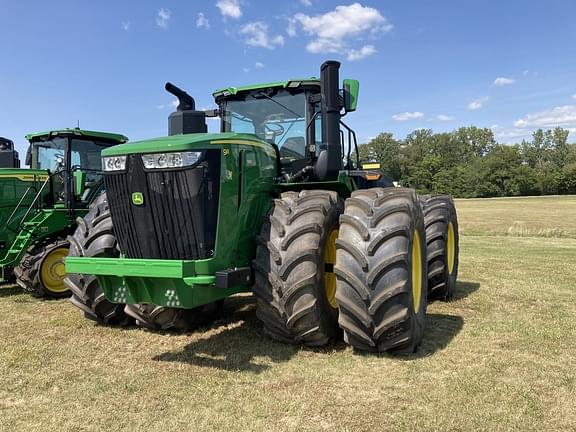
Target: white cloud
[
  {"x": 574, "y": 96},
  {"x": 477, "y": 103},
  {"x": 510, "y": 135},
  {"x": 257, "y": 65},
  {"x": 408, "y": 116},
  {"x": 562, "y": 116},
  {"x": 306, "y": 2},
  {"x": 172, "y": 104},
  {"x": 333, "y": 31},
  {"x": 126, "y": 25},
  {"x": 163, "y": 18},
  {"x": 202, "y": 21},
  {"x": 229, "y": 8},
  {"x": 443, "y": 117},
  {"x": 257, "y": 35},
  {"x": 502, "y": 81},
  {"x": 363, "y": 52},
  {"x": 291, "y": 29}
]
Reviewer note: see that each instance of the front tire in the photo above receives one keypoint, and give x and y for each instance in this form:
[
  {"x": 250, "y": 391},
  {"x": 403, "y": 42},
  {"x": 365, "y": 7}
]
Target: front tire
[
  {"x": 161, "y": 318},
  {"x": 94, "y": 237},
  {"x": 381, "y": 271},
  {"x": 41, "y": 271},
  {"x": 294, "y": 266}
]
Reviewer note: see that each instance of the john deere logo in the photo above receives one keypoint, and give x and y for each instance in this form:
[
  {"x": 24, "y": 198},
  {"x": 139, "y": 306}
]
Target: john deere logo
[{"x": 137, "y": 198}]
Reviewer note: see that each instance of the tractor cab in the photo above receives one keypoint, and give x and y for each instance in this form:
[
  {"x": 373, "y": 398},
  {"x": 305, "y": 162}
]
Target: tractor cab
[
  {"x": 297, "y": 120},
  {"x": 278, "y": 113},
  {"x": 72, "y": 159}
]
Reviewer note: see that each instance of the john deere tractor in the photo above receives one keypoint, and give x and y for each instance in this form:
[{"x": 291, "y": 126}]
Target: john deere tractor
[
  {"x": 277, "y": 204},
  {"x": 39, "y": 206}
]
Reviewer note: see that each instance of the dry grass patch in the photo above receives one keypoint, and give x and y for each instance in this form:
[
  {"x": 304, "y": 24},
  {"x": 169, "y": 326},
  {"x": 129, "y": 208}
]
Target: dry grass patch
[{"x": 550, "y": 216}]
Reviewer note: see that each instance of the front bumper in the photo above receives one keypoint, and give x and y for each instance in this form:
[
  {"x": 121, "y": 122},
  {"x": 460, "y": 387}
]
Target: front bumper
[{"x": 170, "y": 283}]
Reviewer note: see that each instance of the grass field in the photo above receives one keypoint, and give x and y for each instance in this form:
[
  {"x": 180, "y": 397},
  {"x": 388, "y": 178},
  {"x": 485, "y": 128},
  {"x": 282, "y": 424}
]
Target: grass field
[{"x": 502, "y": 356}]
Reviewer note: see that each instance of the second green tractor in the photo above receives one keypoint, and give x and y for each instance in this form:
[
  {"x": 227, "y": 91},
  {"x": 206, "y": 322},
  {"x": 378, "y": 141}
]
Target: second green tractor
[
  {"x": 39, "y": 206},
  {"x": 277, "y": 204}
]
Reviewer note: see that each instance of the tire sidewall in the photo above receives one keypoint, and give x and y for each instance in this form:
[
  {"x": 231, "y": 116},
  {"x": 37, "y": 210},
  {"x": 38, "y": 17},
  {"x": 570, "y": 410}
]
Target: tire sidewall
[{"x": 419, "y": 317}]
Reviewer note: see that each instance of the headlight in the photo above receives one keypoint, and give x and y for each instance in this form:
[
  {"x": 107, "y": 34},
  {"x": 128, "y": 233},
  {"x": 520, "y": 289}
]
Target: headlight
[
  {"x": 114, "y": 163},
  {"x": 170, "y": 160}
]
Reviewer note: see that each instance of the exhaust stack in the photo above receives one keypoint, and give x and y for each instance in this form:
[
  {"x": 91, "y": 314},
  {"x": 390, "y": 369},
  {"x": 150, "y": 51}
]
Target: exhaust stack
[
  {"x": 330, "y": 90},
  {"x": 186, "y": 120}
]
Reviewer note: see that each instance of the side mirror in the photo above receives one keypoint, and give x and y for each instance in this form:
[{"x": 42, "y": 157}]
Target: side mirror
[
  {"x": 351, "y": 88},
  {"x": 79, "y": 183},
  {"x": 29, "y": 156},
  {"x": 321, "y": 166}
]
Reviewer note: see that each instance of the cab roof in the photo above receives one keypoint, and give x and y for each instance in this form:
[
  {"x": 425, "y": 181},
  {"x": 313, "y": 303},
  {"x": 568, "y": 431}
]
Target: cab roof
[
  {"x": 293, "y": 83},
  {"x": 39, "y": 136}
]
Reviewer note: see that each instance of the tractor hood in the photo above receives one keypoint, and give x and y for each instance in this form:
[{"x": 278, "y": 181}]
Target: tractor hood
[
  {"x": 188, "y": 142},
  {"x": 23, "y": 174}
]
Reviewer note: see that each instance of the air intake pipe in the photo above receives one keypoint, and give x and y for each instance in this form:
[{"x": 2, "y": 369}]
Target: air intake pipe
[
  {"x": 330, "y": 106},
  {"x": 186, "y": 120}
]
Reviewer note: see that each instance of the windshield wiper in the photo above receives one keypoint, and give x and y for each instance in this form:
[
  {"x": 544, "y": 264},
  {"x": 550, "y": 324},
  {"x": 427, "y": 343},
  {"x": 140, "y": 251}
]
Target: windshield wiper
[{"x": 278, "y": 103}]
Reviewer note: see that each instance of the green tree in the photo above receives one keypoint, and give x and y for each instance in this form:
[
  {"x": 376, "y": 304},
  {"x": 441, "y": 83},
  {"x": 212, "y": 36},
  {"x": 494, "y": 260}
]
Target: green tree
[{"x": 387, "y": 151}]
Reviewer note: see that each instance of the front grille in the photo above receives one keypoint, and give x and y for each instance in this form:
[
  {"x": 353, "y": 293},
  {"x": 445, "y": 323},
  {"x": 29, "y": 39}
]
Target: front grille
[{"x": 178, "y": 217}]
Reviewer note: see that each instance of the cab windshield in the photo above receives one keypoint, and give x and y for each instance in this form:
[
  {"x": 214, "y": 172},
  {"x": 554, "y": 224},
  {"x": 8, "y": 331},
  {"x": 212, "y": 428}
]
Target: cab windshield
[
  {"x": 85, "y": 154},
  {"x": 279, "y": 118},
  {"x": 84, "y": 157}
]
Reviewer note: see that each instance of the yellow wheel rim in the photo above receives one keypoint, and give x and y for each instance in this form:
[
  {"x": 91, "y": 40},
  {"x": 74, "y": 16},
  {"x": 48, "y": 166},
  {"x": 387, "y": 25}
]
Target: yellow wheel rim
[
  {"x": 329, "y": 261},
  {"x": 416, "y": 272},
  {"x": 451, "y": 248},
  {"x": 53, "y": 271}
]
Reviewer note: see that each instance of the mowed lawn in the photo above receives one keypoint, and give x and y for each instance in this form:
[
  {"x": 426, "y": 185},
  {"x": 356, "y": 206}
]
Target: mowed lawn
[{"x": 502, "y": 356}]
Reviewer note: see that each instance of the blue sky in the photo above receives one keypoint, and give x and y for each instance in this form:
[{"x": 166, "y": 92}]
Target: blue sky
[{"x": 509, "y": 65}]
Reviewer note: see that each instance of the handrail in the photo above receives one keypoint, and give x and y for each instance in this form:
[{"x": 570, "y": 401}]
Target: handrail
[
  {"x": 16, "y": 209},
  {"x": 353, "y": 134},
  {"x": 20, "y": 225}
]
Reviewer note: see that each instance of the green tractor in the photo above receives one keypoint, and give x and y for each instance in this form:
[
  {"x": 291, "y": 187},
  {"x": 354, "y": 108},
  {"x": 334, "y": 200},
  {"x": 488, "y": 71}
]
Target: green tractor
[
  {"x": 39, "y": 206},
  {"x": 275, "y": 204}
]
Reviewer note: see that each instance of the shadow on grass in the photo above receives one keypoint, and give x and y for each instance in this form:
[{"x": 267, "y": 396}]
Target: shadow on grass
[
  {"x": 465, "y": 289},
  {"x": 238, "y": 345},
  {"x": 10, "y": 290},
  {"x": 237, "y": 342},
  {"x": 439, "y": 332}
]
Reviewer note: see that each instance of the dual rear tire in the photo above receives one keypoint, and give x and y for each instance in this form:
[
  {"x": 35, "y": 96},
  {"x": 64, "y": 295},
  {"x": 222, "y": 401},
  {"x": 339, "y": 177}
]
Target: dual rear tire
[
  {"x": 374, "y": 288},
  {"x": 442, "y": 243}
]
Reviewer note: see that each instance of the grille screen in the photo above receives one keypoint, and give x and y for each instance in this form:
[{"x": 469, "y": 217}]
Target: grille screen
[{"x": 178, "y": 216}]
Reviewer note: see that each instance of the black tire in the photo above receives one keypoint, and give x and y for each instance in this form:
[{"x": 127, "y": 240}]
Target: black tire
[
  {"x": 290, "y": 269},
  {"x": 439, "y": 213},
  {"x": 94, "y": 237},
  {"x": 154, "y": 317},
  {"x": 379, "y": 310},
  {"x": 38, "y": 258}
]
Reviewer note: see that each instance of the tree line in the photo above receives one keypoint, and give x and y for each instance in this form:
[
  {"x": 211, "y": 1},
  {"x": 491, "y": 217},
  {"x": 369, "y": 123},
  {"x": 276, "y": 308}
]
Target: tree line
[{"x": 469, "y": 163}]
